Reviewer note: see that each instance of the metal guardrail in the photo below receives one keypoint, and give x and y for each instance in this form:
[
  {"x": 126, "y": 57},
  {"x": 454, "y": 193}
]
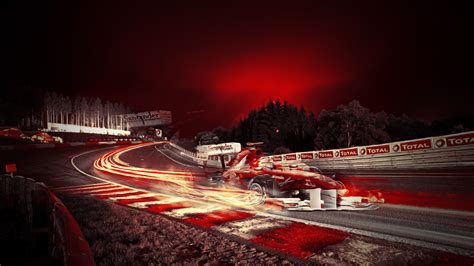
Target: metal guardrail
[
  {"x": 46, "y": 218},
  {"x": 458, "y": 157},
  {"x": 183, "y": 151},
  {"x": 193, "y": 156},
  {"x": 450, "y": 151}
]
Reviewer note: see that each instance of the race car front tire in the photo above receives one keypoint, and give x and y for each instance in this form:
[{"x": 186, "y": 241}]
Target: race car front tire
[{"x": 258, "y": 193}]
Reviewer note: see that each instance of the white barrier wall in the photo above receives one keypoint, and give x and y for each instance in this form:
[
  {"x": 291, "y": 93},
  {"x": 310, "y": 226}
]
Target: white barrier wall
[
  {"x": 443, "y": 151},
  {"x": 55, "y": 127}
]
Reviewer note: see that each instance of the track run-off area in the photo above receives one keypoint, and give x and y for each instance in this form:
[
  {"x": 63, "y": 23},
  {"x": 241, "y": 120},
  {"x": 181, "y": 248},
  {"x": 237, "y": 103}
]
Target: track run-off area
[{"x": 152, "y": 178}]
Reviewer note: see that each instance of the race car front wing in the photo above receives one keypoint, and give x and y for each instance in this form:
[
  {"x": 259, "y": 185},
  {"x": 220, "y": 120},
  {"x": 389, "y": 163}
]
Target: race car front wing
[{"x": 327, "y": 199}]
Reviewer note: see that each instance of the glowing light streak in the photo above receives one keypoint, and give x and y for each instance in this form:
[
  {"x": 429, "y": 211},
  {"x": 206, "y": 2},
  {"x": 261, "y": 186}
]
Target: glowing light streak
[{"x": 179, "y": 182}]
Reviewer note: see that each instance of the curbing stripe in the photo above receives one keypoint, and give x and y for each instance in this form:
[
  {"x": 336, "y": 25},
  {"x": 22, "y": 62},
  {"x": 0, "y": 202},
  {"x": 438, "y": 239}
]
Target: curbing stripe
[
  {"x": 116, "y": 191},
  {"x": 72, "y": 188},
  {"x": 95, "y": 189}
]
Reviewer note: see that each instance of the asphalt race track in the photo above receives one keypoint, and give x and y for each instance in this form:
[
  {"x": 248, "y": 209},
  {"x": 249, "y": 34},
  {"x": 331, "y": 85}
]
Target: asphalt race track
[{"x": 430, "y": 227}]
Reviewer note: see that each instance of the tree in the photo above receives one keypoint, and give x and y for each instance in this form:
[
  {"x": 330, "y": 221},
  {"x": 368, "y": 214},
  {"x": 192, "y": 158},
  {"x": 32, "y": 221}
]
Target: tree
[
  {"x": 108, "y": 109},
  {"x": 222, "y": 133},
  {"x": 206, "y": 138},
  {"x": 96, "y": 112},
  {"x": 48, "y": 106},
  {"x": 404, "y": 127},
  {"x": 84, "y": 109},
  {"x": 276, "y": 124},
  {"x": 67, "y": 108},
  {"x": 77, "y": 110},
  {"x": 350, "y": 125}
]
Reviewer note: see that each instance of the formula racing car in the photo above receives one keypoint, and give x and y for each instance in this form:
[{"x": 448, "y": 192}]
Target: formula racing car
[{"x": 299, "y": 187}]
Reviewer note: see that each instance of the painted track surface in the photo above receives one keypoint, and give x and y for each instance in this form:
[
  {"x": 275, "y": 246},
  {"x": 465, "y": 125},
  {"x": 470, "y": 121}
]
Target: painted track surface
[
  {"x": 451, "y": 229},
  {"x": 438, "y": 227},
  {"x": 257, "y": 229}
]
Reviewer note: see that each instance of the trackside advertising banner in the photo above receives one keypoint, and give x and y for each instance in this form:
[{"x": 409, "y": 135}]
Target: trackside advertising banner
[
  {"x": 379, "y": 149},
  {"x": 419, "y": 145},
  {"x": 150, "y": 118},
  {"x": 465, "y": 139}
]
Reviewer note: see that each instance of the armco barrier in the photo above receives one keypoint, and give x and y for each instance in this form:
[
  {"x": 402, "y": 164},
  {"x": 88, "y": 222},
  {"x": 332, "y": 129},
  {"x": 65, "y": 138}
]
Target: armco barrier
[
  {"x": 182, "y": 151},
  {"x": 48, "y": 221},
  {"x": 192, "y": 156},
  {"x": 456, "y": 150}
]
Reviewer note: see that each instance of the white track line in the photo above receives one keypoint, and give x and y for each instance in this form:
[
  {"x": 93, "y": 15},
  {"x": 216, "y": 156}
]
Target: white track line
[
  {"x": 85, "y": 189},
  {"x": 97, "y": 191},
  {"x": 114, "y": 193},
  {"x": 95, "y": 177},
  {"x": 184, "y": 212},
  {"x": 78, "y": 186},
  {"x": 146, "y": 204},
  {"x": 143, "y": 205},
  {"x": 146, "y": 195}
]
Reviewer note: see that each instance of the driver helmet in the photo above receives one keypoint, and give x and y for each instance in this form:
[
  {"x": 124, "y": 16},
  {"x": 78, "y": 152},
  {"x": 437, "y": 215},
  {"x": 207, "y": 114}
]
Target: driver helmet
[{"x": 270, "y": 165}]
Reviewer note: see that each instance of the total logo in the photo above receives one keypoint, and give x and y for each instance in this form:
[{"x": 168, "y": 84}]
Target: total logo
[
  {"x": 378, "y": 149},
  {"x": 416, "y": 145},
  {"x": 349, "y": 152},
  {"x": 306, "y": 156},
  {"x": 277, "y": 158},
  {"x": 326, "y": 154},
  {"x": 460, "y": 140}
]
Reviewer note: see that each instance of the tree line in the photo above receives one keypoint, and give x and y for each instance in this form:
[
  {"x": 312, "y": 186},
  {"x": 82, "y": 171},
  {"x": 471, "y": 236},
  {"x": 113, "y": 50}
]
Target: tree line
[
  {"x": 283, "y": 127},
  {"x": 35, "y": 108},
  {"x": 83, "y": 111}
]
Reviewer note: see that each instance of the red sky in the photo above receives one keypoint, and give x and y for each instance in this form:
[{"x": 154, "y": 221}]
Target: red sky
[{"x": 219, "y": 61}]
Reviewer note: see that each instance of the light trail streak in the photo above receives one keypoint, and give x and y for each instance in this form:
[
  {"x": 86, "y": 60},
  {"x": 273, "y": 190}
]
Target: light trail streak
[{"x": 179, "y": 182}]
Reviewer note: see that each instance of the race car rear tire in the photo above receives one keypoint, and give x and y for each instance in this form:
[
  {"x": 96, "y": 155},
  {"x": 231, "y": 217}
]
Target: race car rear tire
[{"x": 258, "y": 193}]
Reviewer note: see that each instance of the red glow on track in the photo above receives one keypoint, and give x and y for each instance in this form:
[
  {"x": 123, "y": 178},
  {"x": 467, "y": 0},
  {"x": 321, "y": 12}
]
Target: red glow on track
[
  {"x": 135, "y": 193},
  {"x": 448, "y": 259},
  {"x": 363, "y": 186},
  {"x": 168, "y": 207},
  {"x": 218, "y": 217},
  {"x": 431, "y": 200},
  {"x": 300, "y": 240}
]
